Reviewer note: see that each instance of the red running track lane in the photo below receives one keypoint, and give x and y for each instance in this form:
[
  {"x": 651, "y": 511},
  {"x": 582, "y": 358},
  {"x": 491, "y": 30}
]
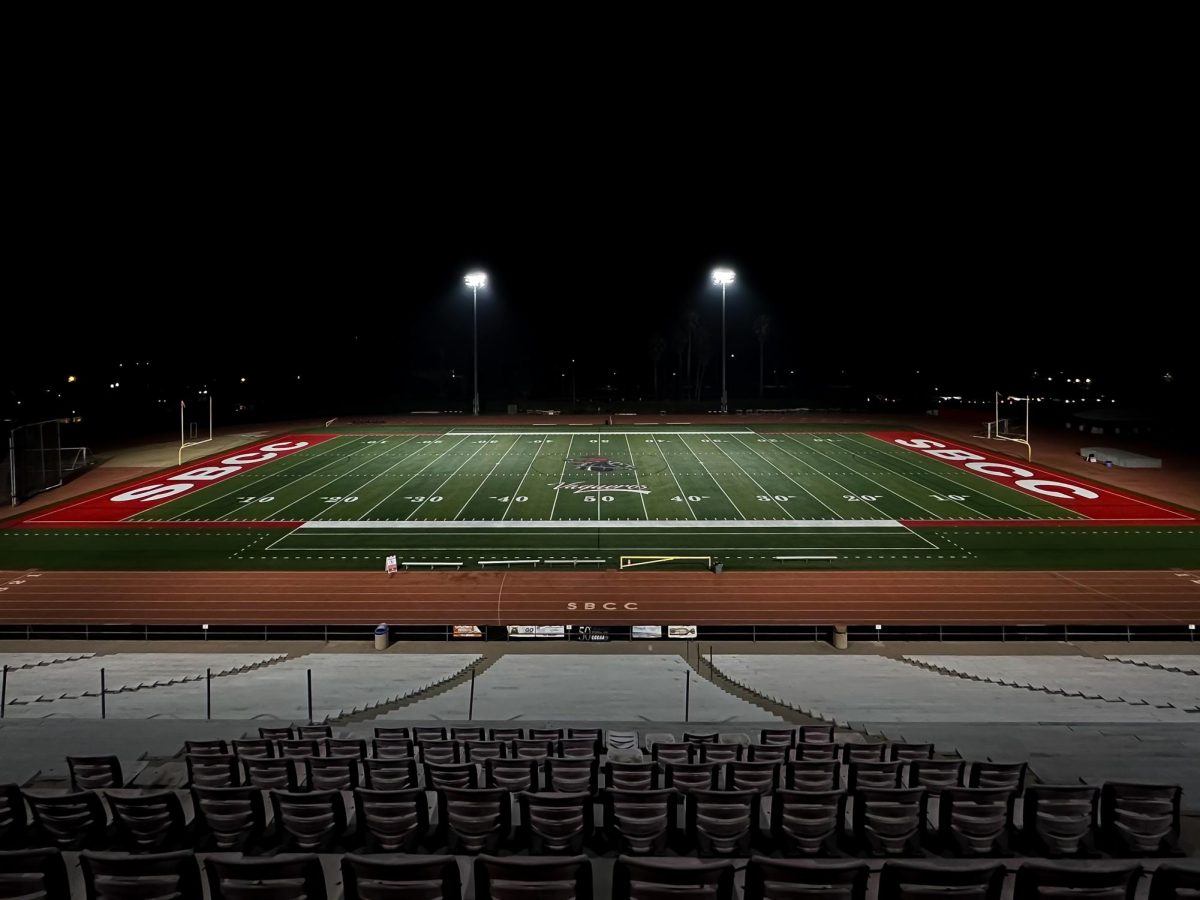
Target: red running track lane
[{"x": 525, "y": 598}]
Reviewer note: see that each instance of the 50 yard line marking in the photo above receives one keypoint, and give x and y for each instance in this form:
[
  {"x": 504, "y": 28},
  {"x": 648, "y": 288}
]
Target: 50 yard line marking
[
  {"x": 562, "y": 475},
  {"x": 636, "y": 480}
]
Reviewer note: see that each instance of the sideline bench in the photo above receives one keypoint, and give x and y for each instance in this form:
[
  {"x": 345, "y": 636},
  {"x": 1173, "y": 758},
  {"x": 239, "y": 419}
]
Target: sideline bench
[
  {"x": 417, "y": 562},
  {"x": 509, "y": 563},
  {"x": 573, "y": 563}
]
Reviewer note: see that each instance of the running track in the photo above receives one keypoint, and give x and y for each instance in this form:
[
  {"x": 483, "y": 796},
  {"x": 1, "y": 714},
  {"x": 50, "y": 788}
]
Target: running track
[{"x": 514, "y": 598}]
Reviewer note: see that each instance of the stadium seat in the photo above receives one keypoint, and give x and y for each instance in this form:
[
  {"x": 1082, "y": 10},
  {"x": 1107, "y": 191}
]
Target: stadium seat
[
  {"x": 909, "y": 880},
  {"x": 391, "y": 821},
  {"x": 1140, "y": 819},
  {"x": 298, "y": 748},
  {"x": 392, "y": 748},
  {"x": 538, "y": 878},
  {"x": 640, "y": 878},
  {"x": 275, "y": 735},
  {"x": 506, "y": 734},
  {"x": 149, "y": 823},
  {"x": 1175, "y": 882},
  {"x": 816, "y": 752},
  {"x": 665, "y": 753},
  {"x": 474, "y": 820},
  {"x": 631, "y": 776},
  {"x": 122, "y": 876},
  {"x": 271, "y": 774},
  {"x": 14, "y": 824},
  {"x": 464, "y": 733},
  {"x": 534, "y": 748},
  {"x": 808, "y": 823},
  {"x": 813, "y": 775},
  {"x": 793, "y": 879},
  {"x": 288, "y": 876},
  {"x": 720, "y": 753},
  {"x": 786, "y": 736},
  {"x": 1060, "y": 820},
  {"x": 815, "y": 734},
  {"x": 707, "y": 737},
  {"x": 685, "y": 777},
  {"x": 760, "y": 777},
  {"x": 935, "y": 775},
  {"x": 312, "y": 732},
  {"x": 873, "y": 775},
  {"x": 889, "y": 821},
  {"x": 513, "y": 775},
  {"x": 478, "y": 751},
  {"x": 213, "y": 771},
  {"x": 309, "y": 822},
  {"x": 584, "y": 747},
  {"x": 68, "y": 821},
  {"x": 259, "y": 749},
  {"x": 94, "y": 773},
  {"x": 596, "y": 735},
  {"x": 352, "y": 747},
  {"x": 998, "y": 776},
  {"x": 331, "y": 773},
  {"x": 640, "y": 821},
  {"x": 397, "y": 733},
  {"x": 864, "y": 753},
  {"x": 380, "y": 877},
  {"x": 907, "y": 752},
  {"x": 776, "y": 753},
  {"x": 206, "y": 748},
  {"x": 1064, "y": 880},
  {"x": 975, "y": 821},
  {"x": 573, "y": 774},
  {"x": 427, "y": 733},
  {"x": 390, "y": 774},
  {"x": 555, "y": 822},
  {"x": 229, "y": 819},
  {"x": 546, "y": 734},
  {"x": 454, "y": 775},
  {"x": 37, "y": 874},
  {"x": 622, "y": 746},
  {"x": 722, "y": 823}
]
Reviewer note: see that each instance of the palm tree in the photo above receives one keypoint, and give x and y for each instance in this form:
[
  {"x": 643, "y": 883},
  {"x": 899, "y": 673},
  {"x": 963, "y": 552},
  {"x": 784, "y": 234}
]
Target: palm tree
[{"x": 762, "y": 326}]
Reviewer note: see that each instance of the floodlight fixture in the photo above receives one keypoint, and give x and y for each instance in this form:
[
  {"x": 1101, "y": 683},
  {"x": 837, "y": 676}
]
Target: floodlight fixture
[
  {"x": 476, "y": 280},
  {"x": 722, "y": 276}
]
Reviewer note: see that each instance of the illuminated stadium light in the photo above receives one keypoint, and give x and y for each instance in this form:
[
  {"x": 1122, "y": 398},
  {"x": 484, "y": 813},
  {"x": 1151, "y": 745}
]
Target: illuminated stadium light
[
  {"x": 476, "y": 280},
  {"x": 722, "y": 276}
]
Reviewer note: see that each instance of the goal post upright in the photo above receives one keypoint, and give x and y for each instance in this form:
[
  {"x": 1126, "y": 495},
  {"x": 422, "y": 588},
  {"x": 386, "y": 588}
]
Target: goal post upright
[
  {"x": 995, "y": 430},
  {"x": 184, "y": 443}
]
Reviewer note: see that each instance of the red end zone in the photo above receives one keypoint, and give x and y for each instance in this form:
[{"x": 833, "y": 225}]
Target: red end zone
[
  {"x": 1098, "y": 504},
  {"x": 118, "y": 504}
]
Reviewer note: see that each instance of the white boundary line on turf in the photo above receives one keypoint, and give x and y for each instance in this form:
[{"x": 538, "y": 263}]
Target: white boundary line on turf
[
  {"x": 720, "y": 487},
  {"x": 314, "y": 525},
  {"x": 462, "y": 551},
  {"x": 580, "y": 433}
]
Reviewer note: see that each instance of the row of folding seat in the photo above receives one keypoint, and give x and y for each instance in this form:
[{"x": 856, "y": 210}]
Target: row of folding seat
[{"x": 40, "y": 874}]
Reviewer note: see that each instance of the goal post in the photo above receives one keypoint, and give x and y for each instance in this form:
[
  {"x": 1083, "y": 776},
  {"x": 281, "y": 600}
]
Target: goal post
[
  {"x": 184, "y": 443},
  {"x": 1002, "y": 429},
  {"x": 629, "y": 562}
]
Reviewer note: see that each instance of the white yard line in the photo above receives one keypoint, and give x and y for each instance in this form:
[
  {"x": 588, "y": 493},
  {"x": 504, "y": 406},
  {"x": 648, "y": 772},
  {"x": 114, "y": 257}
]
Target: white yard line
[
  {"x": 682, "y": 492},
  {"x": 714, "y": 480},
  {"x": 798, "y": 484},
  {"x": 562, "y": 476},
  {"x": 392, "y": 492},
  {"x": 598, "y": 494},
  {"x": 486, "y": 477},
  {"x": 636, "y": 480},
  {"x": 761, "y": 488},
  {"x": 521, "y": 483},
  {"x": 434, "y": 492},
  {"x": 743, "y": 523}
]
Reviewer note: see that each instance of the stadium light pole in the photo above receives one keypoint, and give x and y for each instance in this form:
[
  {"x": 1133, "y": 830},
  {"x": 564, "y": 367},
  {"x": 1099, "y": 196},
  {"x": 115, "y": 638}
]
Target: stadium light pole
[
  {"x": 723, "y": 277},
  {"x": 475, "y": 280}
]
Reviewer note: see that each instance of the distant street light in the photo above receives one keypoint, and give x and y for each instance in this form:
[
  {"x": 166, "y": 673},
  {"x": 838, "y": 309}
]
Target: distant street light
[
  {"x": 475, "y": 280},
  {"x": 723, "y": 277}
]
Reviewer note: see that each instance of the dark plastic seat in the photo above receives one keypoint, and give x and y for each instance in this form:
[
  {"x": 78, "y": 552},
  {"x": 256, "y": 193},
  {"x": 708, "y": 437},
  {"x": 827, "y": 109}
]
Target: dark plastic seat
[
  {"x": 260, "y": 749},
  {"x": 402, "y": 732},
  {"x": 288, "y": 876},
  {"x": 513, "y": 775},
  {"x": 36, "y": 874},
  {"x": 665, "y": 753},
  {"x": 816, "y": 734},
  {"x": 1060, "y": 820},
  {"x": 441, "y": 752},
  {"x": 873, "y": 775},
  {"x": 69, "y": 821},
  {"x": 929, "y": 880},
  {"x": 1174, "y": 881},
  {"x": 793, "y": 879},
  {"x": 785, "y": 736},
  {"x": 149, "y": 823},
  {"x": 272, "y": 773},
  {"x": 720, "y": 753},
  {"x": 581, "y": 748},
  {"x": 392, "y": 821},
  {"x": 596, "y": 735},
  {"x": 229, "y": 819},
  {"x": 352, "y": 747},
  {"x": 534, "y": 748},
  {"x": 816, "y": 752},
  {"x": 808, "y": 823},
  {"x": 331, "y": 773},
  {"x": 1140, "y": 819},
  {"x": 276, "y": 734},
  {"x": 553, "y": 735},
  {"x": 478, "y": 751},
  {"x": 95, "y": 773},
  {"x": 384, "y": 877},
  {"x": 538, "y": 878},
  {"x": 392, "y": 748},
  {"x": 206, "y": 748},
  {"x": 639, "y": 878},
  {"x": 631, "y": 776},
  {"x": 555, "y": 822},
  {"x": 299, "y": 748},
  {"x": 1093, "y": 880},
  {"x": 390, "y": 774},
  {"x": 686, "y": 777},
  {"x": 864, "y": 753},
  {"x": 722, "y": 823},
  {"x": 428, "y": 733},
  {"x": 776, "y": 753},
  {"x": 123, "y": 876},
  {"x": 309, "y": 822},
  {"x": 313, "y": 732},
  {"x": 998, "y": 776},
  {"x": 760, "y": 777},
  {"x": 213, "y": 771},
  {"x": 573, "y": 774},
  {"x": 453, "y": 775},
  {"x": 466, "y": 733},
  {"x": 474, "y": 820},
  {"x": 640, "y": 822},
  {"x": 909, "y": 752},
  {"x": 813, "y": 775},
  {"x": 707, "y": 737},
  {"x": 889, "y": 821},
  {"x": 975, "y": 821},
  {"x": 935, "y": 775},
  {"x": 506, "y": 734},
  {"x": 14, "y": 821}
]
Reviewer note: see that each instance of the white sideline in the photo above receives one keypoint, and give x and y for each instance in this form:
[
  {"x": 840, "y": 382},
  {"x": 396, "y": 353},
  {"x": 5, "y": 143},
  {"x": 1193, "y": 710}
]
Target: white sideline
[{"x": 602, "y": 523}]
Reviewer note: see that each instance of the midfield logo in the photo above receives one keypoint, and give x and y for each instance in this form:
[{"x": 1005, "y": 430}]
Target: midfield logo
[
  {"x": 599, "y": 464},
  {"x": 584, "y": 487}
]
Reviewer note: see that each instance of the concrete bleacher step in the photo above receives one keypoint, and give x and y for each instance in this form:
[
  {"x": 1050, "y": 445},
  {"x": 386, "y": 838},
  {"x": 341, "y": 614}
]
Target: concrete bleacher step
[
  {"x": 1184, "y": 665},
  {"x": 479, "y": 666},
  {"x": 18, "y": 661}
]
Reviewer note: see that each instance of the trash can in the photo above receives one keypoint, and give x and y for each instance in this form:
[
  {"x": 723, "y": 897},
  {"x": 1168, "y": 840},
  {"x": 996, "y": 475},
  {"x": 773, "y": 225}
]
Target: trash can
[
  {"x": 717, "y": 568},
  {"x": 381, "y": 636}
]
